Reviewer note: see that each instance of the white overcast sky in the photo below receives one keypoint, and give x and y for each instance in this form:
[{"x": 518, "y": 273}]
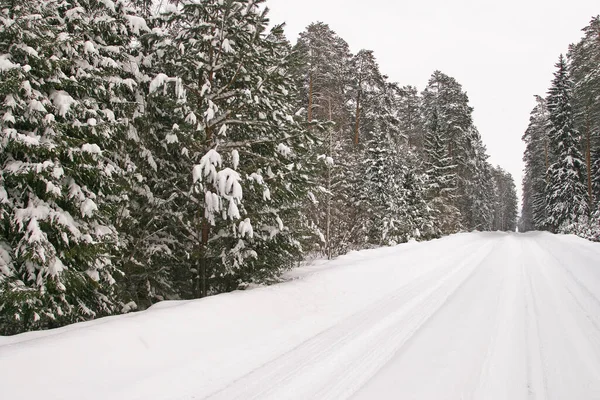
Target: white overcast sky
[{"x": 502, "y": 52}]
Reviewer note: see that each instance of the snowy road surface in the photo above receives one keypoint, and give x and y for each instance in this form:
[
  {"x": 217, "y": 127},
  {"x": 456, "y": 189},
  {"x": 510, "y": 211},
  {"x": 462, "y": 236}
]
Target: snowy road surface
[{"x": 471, "y": 316}]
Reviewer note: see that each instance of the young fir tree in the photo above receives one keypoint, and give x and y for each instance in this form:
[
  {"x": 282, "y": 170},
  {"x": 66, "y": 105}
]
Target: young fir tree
[
  {"x": 68, "y": 98},
  {"x": 566, "y": 194}
]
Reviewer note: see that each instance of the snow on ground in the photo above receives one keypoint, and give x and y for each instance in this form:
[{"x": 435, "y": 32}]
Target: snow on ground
[{"x": 481, "y": 315}]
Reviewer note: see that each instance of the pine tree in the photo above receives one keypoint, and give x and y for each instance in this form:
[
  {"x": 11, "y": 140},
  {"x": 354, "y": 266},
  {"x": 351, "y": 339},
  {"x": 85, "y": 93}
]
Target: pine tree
[
  {"x": 584, "y": 68},
  {"x": 368, "y": 87},
  {"x": 326, "y": 71},
  {"x": 566, "y": 197},
  {"x": 222, "y": 97}
]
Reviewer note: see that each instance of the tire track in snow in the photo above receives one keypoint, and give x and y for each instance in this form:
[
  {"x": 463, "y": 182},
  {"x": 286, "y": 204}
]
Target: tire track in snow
[
  {"x": 346, "y": 352},
  {"x": 401, "y": 337},
  {"x": 536, "y": 375},
  {"x": 494, "y": 376},
  {"x": 412, "y": 265},
  {"x": 568, "y": 339},
  {"x": 583, "y": 297}
]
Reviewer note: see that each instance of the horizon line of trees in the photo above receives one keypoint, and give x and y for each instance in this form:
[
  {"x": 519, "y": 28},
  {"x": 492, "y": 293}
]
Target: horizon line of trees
[
  {"x": 149, "y": 156},
  {"x": 561, "y": 186}
]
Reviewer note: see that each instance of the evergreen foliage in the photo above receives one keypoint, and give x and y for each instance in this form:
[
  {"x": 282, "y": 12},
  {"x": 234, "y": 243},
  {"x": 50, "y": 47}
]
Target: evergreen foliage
[
  {"x": 560, "y": 186},
  {"x": 506, "y": 205},
  {"x": 67, "y": 88},
  {"x": 148, "y": 155},
  {"x": 536, "y": 158},
  {"x": 566, "y": 197}
]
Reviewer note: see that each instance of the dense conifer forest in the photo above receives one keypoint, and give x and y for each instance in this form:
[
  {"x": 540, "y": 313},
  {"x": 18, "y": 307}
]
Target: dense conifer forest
[
  {"x": 561, "y": 187},
  {"x": 149, "y": 155}
]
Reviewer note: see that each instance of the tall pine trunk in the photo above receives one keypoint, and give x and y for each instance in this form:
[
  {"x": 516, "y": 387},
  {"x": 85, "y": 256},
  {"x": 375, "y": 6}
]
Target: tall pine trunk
[
  {"x": 328, "y": 222},
  {"x": 205, "y": 227},
  {"x": 310, "y": 96},
  {"x": 546, "y": 156},
  {"x": 588, "y": 161},
  {"x": 357, "y": 123}
]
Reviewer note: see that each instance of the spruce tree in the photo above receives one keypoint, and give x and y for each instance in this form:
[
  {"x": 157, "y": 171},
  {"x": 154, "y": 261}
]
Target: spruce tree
[
  {"x": 415, "y": 217},
  {"x": 441, "y": 138},
  {"x": 566, "y": 196},
  {"x": 376, "y": 128},
  {"x": 441, "y": 180},
  {"x": 68, "y": 95},
  {"x": 445, "y": 98}
]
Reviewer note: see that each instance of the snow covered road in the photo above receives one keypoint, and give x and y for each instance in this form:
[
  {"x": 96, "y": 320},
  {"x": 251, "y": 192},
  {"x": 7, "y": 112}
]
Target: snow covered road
[{"x": 471, "y": 316}]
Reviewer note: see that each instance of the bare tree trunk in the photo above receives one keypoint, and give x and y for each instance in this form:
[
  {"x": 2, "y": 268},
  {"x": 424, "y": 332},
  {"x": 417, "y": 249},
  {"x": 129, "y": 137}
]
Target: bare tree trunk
[
  {"x": 546, "y": 155},
  {"x": 204, "y": 231},
  {"x": 357, "y": 125},
  {"x": 204, "y": 225},
  {"x": 328, "y": 222},
  {"x": 328, "y": 229}
]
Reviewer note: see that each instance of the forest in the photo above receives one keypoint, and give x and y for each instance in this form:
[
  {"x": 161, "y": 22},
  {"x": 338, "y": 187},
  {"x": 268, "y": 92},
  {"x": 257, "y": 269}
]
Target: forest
[
  {"x": 175, "y": 154},
  {"x": 561, "y": 186}
]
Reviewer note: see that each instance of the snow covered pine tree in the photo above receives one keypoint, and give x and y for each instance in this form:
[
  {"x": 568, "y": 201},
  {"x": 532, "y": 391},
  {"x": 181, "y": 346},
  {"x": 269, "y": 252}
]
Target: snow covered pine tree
[{"x": 223, "y": 81}]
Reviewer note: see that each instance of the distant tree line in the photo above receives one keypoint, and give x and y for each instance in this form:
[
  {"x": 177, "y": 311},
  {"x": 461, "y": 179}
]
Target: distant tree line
[
  {"x": 147, "y": 156},
  {"x": 561, "y": 187}
]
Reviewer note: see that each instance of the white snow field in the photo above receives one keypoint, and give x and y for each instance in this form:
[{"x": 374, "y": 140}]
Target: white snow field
[{"x": 471, "y": 316}]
